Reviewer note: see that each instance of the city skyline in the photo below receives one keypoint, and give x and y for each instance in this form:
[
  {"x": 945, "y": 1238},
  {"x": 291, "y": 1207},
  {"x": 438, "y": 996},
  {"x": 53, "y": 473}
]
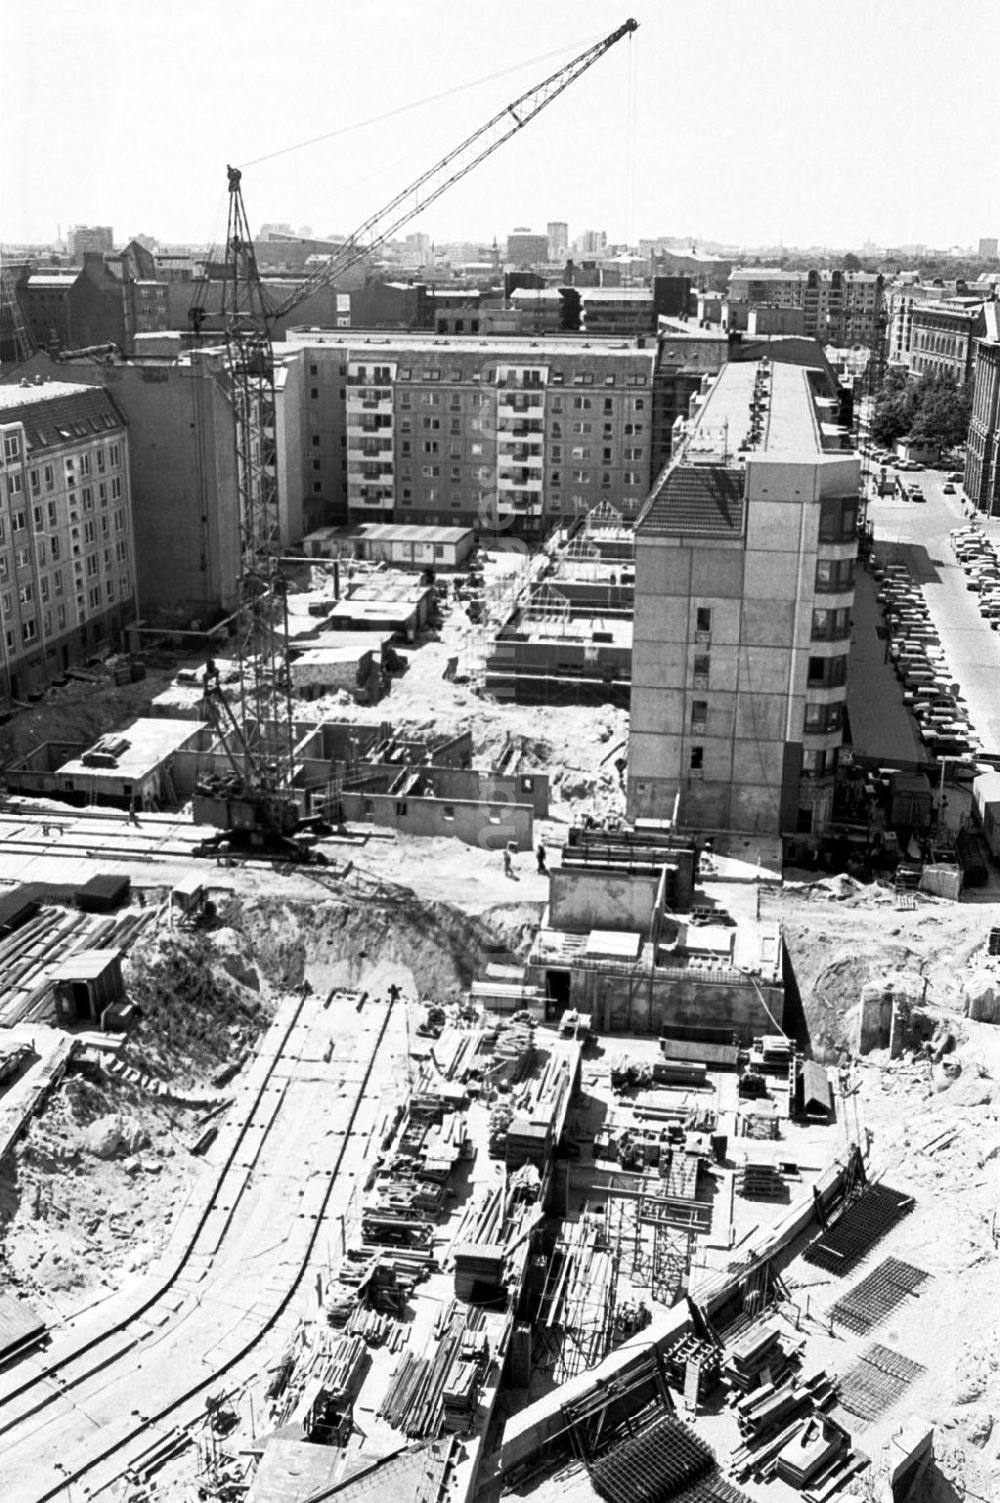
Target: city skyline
[{"x": 723, "y": 135}]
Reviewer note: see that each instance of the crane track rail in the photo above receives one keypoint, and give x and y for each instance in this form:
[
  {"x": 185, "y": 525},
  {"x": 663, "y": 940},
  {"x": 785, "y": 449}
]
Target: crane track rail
[{"x": 49, "y": 1377}]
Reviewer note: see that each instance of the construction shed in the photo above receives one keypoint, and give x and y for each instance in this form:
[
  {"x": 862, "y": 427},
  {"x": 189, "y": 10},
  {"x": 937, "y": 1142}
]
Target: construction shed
[
  {"x": 86, "y": 984},
  {"x": 412, "y": 545},
  {"x": 814, "y": 1086}
]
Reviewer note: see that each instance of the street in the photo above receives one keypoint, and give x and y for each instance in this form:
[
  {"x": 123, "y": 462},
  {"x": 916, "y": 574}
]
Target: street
[{"x": 917, "y": 533}]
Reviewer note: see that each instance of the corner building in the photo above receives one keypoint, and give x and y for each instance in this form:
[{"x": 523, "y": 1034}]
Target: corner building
[
  {"x": 67, "y": 567},
  {"x": 744, "y": 587}
]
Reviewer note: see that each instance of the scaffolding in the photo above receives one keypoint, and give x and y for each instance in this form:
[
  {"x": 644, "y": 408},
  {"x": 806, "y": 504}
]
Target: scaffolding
[{"x": 547, "y": 606}]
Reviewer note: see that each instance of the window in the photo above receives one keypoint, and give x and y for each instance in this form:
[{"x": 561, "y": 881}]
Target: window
[
  {"x": 84, "y": 464},
  {"x": 11, "y": 446},
  {"x": 35, "y": 481},
  {"x": 40, "y": 551},
  {"x": 102, "y": 460},
  {"x": 314, "y": 393},
  {"x": 25, "y": 594},
  {"x": 833, "y": 575},
  {"x": 827, "y": 672},
  {"x": 57, "y": 581},
  {"x": 582, "y": 427},
  {"x": 697, "y": 760},
  {"x": 581, "y": 477},
  {"x": 582, "y": 404},
  {"x": 23, "y": 558},
  {"x": 702, "y": 669},
  {"x": 88, "y": 532},
  {"x": 448, "y": 812},
  {"x": 43, "y": 587},
  {"x": 703, "y": 618},
  {"x": 401, "y": 809},
  {"x": 29, "y": 630},
  {"x": 699, "y": 714},
  {"x": 49, "y": 478},
  {"x": 54, "y": 547},
  {"x": 314, "y": 370},
  {"x": 116, "y": 488},
  {"x": 631, "y": 477},
  {"x": 15, "y": 485}
]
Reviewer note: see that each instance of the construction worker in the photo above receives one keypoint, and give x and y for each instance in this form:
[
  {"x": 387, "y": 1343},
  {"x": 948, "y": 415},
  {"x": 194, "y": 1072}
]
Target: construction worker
[
  {"x": 543, "y": 870},
  {"x": 506, "y": 863},
  {"x": 395, "y": 992}
]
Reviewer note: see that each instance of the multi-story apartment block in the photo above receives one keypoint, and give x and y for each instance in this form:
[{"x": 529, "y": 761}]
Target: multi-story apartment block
[
  {"x": 558, "y": 234},
  {"x": 982, "y": 458},
  {"x": 839, "y": 307},
  {"x": 510, "y": 433},
  {"x": 67, "y": 571},
  {"x": 744, "y": 587},
  {"x": 527, "y": 249},
  {"x": 943, "y": 336},
  {"x": 81, "y": 238}
]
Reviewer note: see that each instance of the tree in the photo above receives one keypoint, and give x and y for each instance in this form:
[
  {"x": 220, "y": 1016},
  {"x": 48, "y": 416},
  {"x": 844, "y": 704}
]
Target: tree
[
  {"x": 851, "y": 262},
  {"x": 932, "y": 409}
]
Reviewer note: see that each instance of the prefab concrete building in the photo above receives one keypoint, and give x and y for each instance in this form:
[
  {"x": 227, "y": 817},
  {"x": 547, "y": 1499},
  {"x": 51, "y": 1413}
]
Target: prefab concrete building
[{"x": 411, "y": 546}]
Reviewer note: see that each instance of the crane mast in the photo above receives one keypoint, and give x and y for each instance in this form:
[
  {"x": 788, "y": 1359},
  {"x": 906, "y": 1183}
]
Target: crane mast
[
  {"x": 265, "y": 689},
  {"x": 258, "y": 740}
]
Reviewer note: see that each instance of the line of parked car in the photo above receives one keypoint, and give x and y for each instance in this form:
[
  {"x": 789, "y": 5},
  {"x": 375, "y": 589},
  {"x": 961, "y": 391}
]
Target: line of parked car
[
  {"x": 929, "y": 689},
  {"x": 978, "y": 558}
]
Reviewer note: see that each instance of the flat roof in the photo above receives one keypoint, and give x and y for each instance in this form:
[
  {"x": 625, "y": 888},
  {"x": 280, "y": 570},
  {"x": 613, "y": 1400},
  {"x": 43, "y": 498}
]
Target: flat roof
[
  {"x": 503, "y": 348},
  {"x": 789, "y": 423},
  {"x": 150, "y": 742},
  {"x": 408, "y": 532}
]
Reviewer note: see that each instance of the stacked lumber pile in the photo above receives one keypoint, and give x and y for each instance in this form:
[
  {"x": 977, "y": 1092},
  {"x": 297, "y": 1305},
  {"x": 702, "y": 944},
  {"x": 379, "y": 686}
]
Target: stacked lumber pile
[
  {"x": 760, "y": 1182},
  {"x": 770, "y": 1417},
  {"x": 758, "y": 1351}
]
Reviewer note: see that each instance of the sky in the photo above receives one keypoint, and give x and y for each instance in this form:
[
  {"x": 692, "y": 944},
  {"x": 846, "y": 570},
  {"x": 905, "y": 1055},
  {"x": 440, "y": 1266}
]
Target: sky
[{"x": 749, "y": 122}]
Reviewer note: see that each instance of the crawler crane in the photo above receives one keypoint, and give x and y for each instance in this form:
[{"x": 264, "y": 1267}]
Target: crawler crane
[{"x": 253, "y": 804}]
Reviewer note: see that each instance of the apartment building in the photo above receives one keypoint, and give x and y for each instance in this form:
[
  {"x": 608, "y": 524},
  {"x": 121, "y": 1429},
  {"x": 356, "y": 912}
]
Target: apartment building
[
  {"x": 838, "y": 307},
  {"x": 509, "y": 434},
  {"x": 744, "y": 587},
  {"x": 67, "y": 568},
  {"x": 982, "y": 458}
]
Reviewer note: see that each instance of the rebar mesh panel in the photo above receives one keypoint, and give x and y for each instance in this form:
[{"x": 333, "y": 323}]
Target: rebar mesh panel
[
  {"x": 859, "y": 1226},
  {"x": 873, "y": 1299},
  {"x": 875, "y": 1383}
]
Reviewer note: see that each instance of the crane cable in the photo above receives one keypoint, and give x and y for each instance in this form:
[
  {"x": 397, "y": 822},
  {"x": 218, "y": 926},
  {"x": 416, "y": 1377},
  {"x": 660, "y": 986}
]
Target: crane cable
[{"x": 415, "y": 104}]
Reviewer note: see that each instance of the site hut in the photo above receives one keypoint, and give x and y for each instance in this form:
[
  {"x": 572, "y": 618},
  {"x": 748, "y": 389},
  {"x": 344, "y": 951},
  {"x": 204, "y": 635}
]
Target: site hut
[
  {"x": 130, "y": 769},
  {"x": 412, "y": 546},
  {"x": 745, "y": 560},
  {"x": 86, "y": 984}
]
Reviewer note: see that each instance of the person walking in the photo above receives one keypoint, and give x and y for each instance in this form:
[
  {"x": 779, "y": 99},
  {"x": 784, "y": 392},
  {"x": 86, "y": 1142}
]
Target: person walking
[
  {"x": 543, "y": 870},
  {"x": 506, "y": 863}
]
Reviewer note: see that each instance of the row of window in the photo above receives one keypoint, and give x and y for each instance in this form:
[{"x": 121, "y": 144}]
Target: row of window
[{"x": 818, "y": 718}]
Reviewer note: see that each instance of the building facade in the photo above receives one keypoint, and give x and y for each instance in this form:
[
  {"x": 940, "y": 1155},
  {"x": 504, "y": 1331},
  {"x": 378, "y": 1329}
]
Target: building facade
[
  {"x": 505, "y": 434},
  {"x": 67, "y": 566},
  {"x": 526, "y": 249},
  {"x": 81, "y": 238},
  {"x": 982, "y": 458},
  {"x": 744, "y": 587},
  {"x": 943, "y": 336},
  {"x": 558, "y": 235},
  {"x": 838, "y": 307}
]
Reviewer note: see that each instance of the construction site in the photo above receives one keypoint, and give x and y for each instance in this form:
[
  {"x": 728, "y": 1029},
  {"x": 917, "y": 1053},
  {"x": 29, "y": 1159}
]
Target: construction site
[{"x": 385, "y": 1114}]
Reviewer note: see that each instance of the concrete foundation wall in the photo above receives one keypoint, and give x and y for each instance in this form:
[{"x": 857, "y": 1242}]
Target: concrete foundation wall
[
  {"x": 580, "y": 901},
  {"x": 629, "y": 1001}
]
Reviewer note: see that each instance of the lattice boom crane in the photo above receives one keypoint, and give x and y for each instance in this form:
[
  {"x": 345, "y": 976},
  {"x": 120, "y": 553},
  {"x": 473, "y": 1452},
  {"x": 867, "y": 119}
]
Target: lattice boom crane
[{"x": 259, "y": 737}]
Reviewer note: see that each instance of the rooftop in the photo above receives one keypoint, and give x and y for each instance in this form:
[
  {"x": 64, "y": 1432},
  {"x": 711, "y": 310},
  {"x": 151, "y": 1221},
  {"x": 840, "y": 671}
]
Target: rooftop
[
  {"x": 145, "y": 744},
  {"x": 408, "y": 532},
  {"x": 59, "y": 412},
  {"x": 512, "y": 349}
]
